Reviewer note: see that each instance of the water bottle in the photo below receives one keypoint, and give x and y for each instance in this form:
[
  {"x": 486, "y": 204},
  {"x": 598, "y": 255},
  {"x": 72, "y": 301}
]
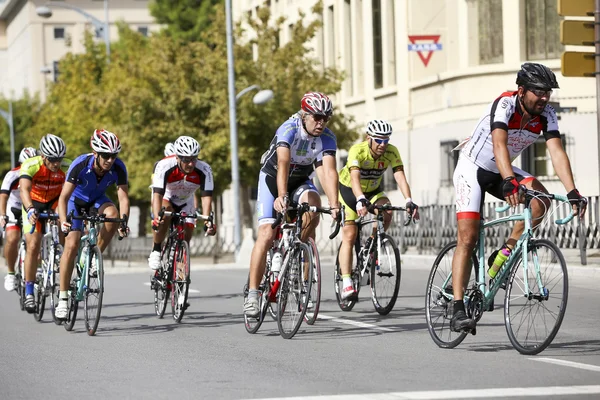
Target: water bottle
[{"x": 276, "y": 262}]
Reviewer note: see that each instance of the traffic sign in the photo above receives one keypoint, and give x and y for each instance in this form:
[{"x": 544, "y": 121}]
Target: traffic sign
[
  {"x": 578, "y": 64},
  {"x": 577, "y": 33},
  {"x": 576, "y": 8}
]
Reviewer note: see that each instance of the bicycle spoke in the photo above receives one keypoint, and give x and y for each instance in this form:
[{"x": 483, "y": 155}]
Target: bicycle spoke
[{"x": 385, "y": 276}]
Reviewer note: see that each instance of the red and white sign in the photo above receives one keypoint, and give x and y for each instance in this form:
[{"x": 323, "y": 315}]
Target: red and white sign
[{"x": 424, "y": 44}]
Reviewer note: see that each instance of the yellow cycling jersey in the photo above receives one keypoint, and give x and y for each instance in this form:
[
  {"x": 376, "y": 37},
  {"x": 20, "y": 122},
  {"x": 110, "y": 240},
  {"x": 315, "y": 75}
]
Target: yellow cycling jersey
[{"x": 371, "y": 170}]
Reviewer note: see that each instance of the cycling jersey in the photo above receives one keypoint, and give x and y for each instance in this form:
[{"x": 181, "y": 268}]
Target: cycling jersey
[
  {"x": 45, "y": 184},
  {"x": 371, "y": 170},
  {"x": 306, "y": 151},
  {"x": 505, "y": 113},
  {"x": 10, "y": 187},
  {"x": 177, "y": 187},
  {"x": 89, "y": 186}
]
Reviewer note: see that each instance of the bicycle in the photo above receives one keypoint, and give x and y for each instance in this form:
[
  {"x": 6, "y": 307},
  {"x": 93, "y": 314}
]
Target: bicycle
[
  {"x": 175, "y": 266},
  {"x": 542, "y": 290},
  {"x": 376, "y": 263},
  {"x": 20, "y": 273},
  {"x": 45, "y": 282},
  {"x": 88, "y": 284},
  {"x": 291, "y": 288}
]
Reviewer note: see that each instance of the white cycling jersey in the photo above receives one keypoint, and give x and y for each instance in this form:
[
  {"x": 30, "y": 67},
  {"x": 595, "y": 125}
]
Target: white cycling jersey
[
  {"x": 177, "y": 187},
  {"x": 10, "y": 186},
  {"x": 505, "y": 113}
]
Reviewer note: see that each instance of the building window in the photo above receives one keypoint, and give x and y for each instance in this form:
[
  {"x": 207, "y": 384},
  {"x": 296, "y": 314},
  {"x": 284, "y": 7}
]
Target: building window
[
  {"x": 143, "y": 30},
  {"x": 377, "y": 45},
  {"x": 391, "y": 43},
  {"x": 332, "y": 54},
  {"x": 491, "y": 41},
  {"x": 542, "y": 29},
  {"x": 348, "y": 59},
  {"x": 59, "y": 33},
  {"x": 449, "y": 159},
  {"x": 536, "y": 160}
]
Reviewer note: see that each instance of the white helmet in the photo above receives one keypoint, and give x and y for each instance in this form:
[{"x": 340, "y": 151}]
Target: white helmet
[
  {"x": 26, "y": 153},
  {"x": 379, "y": 127},
  {"x": 169, "y": 149},
  {"x": 103, "y": 141},
  {"x": 52, "y": 146},
  {"x": 186, "y": 146}
]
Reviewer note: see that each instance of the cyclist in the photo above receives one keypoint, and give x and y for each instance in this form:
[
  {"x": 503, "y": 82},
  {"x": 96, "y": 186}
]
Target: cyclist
[
  {"x": 10, "y": 216},
  {"x": 361, "y": 185},
  {"x": 174, "y": 183},
  {"x": 169, "y": 149},
  {"x": 42, "y": 178},
  {"x": 88, "y": 179},
  {"x": 512, "y": 122},
  {"x": 299, "y": 145}
]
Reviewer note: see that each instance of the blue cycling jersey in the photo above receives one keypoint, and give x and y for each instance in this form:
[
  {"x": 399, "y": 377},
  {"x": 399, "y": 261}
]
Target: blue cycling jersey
[{"x": 89, "y": 186}]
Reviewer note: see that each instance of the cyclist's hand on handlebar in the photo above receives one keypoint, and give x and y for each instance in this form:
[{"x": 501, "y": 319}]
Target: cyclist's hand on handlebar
[
  {"x": 281, "y": 203},
  {"x": 210, "y": 228},
  {"x": 3, "y": 221},
  {"x": 578, "y": 202},
  {"x": 157, "y": 222},
  {"x": 65, "y": 227},
  {"x": 510, "y": 191},
  {"x": 335, "y": 211},
  {"x": 412, "y": 209},
  {"x": 362, "y": 205},
  {"x": 32, "y": 215}
]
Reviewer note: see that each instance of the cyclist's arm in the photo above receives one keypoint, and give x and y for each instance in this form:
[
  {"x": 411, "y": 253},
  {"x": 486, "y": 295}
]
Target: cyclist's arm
[
  {"x": 403, "y": 185},
  {"x": 501, "y": 154},
  {"x": 329, "y": 179},
  {"x": 561, "y": 163},
  {"x": 63, "y": 199},
  {"x": 25, "y": 189},
  {"x": 157, "y": 199},
  {"x": 283, "y": 170},
  {"x": 196, "y": 201},
  {"x": 206, "y": 204},
  {"x": 123, "y": 196},
  {"x": 355, "y": 182}
]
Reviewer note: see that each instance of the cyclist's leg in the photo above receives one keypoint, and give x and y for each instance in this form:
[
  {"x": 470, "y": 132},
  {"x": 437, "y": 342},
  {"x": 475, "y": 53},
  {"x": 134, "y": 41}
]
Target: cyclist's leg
[
  {"x": 190, "y": 223},
  {"x": 381, "y": 199},
  {"x": 349, "y": 232},
  {"x": 67, "y": 262},
  {"x": 11, "y": 251},
  {"x": 106, "y": 206},
  {"x": 159, "y": 235},
  {"x": 33, "y": 243},
  {"x": 307, "y": 193}
]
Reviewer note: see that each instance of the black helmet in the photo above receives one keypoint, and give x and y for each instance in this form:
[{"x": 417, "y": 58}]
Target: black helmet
[{"x": 536, "y": 76}]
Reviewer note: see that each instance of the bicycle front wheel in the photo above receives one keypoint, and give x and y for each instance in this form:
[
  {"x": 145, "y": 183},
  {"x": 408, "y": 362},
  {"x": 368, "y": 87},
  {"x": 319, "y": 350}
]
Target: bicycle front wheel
[
  {"x": 39, "y": 297},
  {"x": 20, "y": 274},
  {"x": 294, "y": 290},
  {"x": 160, "y": 284},
  {"x": 73, "y": 305},
  {"x": 385, "y": 276},
  {"x": 314, "y": 300},
  {"x": 92, "y": 305},
  {"x": 439, "y": 301},
  {"x": 181, "y": 280},
  {"x": 532, "y": 315}
]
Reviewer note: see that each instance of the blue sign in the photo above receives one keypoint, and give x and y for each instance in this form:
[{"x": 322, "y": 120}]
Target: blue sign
[{"x": 424, "y": 46}]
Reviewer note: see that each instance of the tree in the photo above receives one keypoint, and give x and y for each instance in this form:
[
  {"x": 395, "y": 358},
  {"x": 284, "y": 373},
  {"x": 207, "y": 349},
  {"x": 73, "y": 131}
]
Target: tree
[{"x": 184, "y": 19}]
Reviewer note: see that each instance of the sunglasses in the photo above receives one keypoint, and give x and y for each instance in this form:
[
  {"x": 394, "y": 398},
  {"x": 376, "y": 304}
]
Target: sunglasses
[
  {"x": 108, "y": 156},
  {"x": 54, "y": 159},
  {"x": 187, "y": 160},
  {"x": 381, "y": 141},
  {"x": 319, "y": 118},
  {"x": 541, "y": 92}
]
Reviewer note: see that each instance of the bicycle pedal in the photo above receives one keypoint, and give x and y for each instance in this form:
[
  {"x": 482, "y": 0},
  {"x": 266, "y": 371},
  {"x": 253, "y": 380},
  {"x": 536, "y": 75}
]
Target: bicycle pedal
[{"x": 474, "y": 331}]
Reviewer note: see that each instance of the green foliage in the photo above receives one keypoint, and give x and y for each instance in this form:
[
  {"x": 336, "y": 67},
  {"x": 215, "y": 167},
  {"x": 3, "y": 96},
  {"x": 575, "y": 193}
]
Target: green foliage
[{"x": 184, "y": 19}]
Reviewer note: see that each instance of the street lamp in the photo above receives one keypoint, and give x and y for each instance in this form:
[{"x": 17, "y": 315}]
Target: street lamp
[
  {"x": 46, "y": 12},
  {"x": 8, "y": 116}
]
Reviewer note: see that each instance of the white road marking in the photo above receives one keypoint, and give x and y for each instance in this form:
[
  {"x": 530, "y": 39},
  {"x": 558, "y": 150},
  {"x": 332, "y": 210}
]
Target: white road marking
[
  {"x": 566, "y": 363},
  {"x": 190, "y": 290},
  {"x": 460, "y": 393},
  {"x": 355, "y": 323}
]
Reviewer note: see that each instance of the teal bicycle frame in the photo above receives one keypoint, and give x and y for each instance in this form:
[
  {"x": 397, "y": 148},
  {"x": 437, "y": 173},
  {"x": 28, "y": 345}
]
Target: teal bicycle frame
[{"x": 83, "y": 262}]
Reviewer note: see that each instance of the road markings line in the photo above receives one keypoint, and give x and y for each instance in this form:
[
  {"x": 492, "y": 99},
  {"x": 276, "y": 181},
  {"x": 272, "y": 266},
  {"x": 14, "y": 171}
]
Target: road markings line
[
  {"x": 460, "y": 393},
  {"x": 355, "y": 323},
  {"x": 566, "y": 363},
  {"x": 190, "y": 290}
]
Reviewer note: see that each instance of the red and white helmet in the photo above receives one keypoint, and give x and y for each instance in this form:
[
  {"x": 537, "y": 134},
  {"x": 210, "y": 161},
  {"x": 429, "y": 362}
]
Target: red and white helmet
[
  {"x": 317, "y": 103},
  {"x": 103, "y": 141},
  {"x": 26, "y": 153}
]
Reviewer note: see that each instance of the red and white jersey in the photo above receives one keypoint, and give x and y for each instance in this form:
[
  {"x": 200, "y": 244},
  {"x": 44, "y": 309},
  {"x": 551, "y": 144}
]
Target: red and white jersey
[
  {"x": 505, "y": 113},
  {"x": 10, "y": 186},
  {"x": 177, "y": 187}
]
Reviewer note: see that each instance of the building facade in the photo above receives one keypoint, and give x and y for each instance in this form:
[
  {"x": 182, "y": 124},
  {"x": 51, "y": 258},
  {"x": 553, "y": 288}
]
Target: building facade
[{"x": 30, "y": 45}]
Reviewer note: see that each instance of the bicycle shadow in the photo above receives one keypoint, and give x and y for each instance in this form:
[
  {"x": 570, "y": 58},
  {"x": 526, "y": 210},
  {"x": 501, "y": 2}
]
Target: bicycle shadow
[{"x": 581, "y": 347}]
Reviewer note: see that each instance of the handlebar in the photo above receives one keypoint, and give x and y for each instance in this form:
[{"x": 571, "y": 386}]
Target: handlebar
[
  {"x": 45, "y": 215},
  {"x": 305, "y": 207},
  {"x": 196, "y": 215},
  {"x": 530, "y": 194},
  {"x": 389, "y": 207},
  {"x": 100, "y": 218}
]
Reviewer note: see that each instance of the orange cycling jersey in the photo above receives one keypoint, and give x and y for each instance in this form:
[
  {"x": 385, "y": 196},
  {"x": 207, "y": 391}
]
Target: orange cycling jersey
[{"x": 45, "y": 184}]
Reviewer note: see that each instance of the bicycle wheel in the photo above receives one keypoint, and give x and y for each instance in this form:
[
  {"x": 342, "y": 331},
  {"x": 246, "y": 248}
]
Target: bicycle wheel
[
  {"x": 294, "y": 290},
  {"x": 39, "y": 297},
  {"x": 252, "y": 324},
  {"x": 181, "y": 280},
  {"x": 338, "y": 284},
  {"x": 161, "y": 285},
  {"x": 533, "y": 317},
  {"x": 385, "y": 276},
  {"x": 272, "y": 307},
  {"x": 438, "y": 299},
  {"x": 55, "y": 292},
  {"x": 20, "y": 274},
  {"x": 73, "y": 306},
  {"x": 92, "y": 301},
  {"x": 314, "y": 300}
]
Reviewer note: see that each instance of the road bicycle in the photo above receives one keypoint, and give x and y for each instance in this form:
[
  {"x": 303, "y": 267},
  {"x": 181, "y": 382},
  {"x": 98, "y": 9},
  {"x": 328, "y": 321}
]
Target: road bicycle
[
  {"x": 534, "y": 277},
  {"x": 88, "y": 283},
  {"x": 20, "y": 273},
  {"x": 291, "y": 287},
  {"x": 45, "y": 283},
  {"x": 375, "y": 262},
  {"x": 172, "y": 279}
]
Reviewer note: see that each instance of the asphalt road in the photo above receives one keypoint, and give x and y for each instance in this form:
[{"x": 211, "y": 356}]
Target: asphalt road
[{"x": 345, "y": 355}]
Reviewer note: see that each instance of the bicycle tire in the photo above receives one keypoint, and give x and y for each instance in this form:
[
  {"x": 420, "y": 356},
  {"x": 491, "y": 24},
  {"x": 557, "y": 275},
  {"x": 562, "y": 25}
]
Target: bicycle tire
[
  {"x": 314, "y": 300},
  {"x": 345, "y": 305},
  {"x": 54, "y": 299},
  {"x": 161, "y": 282},
  {"x": 73, "y": 306},
  {"x": 39, "y": 298},
  {"x": 272, "y": 307},
  {"x": 94, "y": 293},
  {"x": 253, "y": 324},
  {"x": 438, "y": 307},
  {"x": 390, "y": 268},
  {"x": 20, "y": 274},
  {"x": 292, "y": 283},
  {"x": 181, "y": 280},
  {"x": 537, "y": 304}
]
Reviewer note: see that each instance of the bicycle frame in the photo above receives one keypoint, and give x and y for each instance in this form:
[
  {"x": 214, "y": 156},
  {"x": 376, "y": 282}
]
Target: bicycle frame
[
  {"x": 49, "y": 244},
  {"x": 88, "y": 240}
]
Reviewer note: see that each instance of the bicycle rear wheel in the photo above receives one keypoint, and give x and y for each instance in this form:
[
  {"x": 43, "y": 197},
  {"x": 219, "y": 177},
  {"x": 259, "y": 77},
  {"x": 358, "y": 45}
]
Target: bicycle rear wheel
[
  {"x": 271, "y": 307},
  {"x": 92, "y": 302},
  {"x": 181, "y": 280},
  {"x": 385, "y": 276},
  {"x": 314, "y": 300},
  {"x": 73, "y": 306},
  {"x": 533, "y": 318},
  {"x": 294, "y": 290},
  {"x": 20, "y": 274},
  {"x": 252, "y": 324},
  {"x": 39, "y": 297},
  {"x": 55, "y": 292},
  {"x": 438, "y": 299},
  {"x": 338, "y": 283},
  {"x": 160, "y": 283}
]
